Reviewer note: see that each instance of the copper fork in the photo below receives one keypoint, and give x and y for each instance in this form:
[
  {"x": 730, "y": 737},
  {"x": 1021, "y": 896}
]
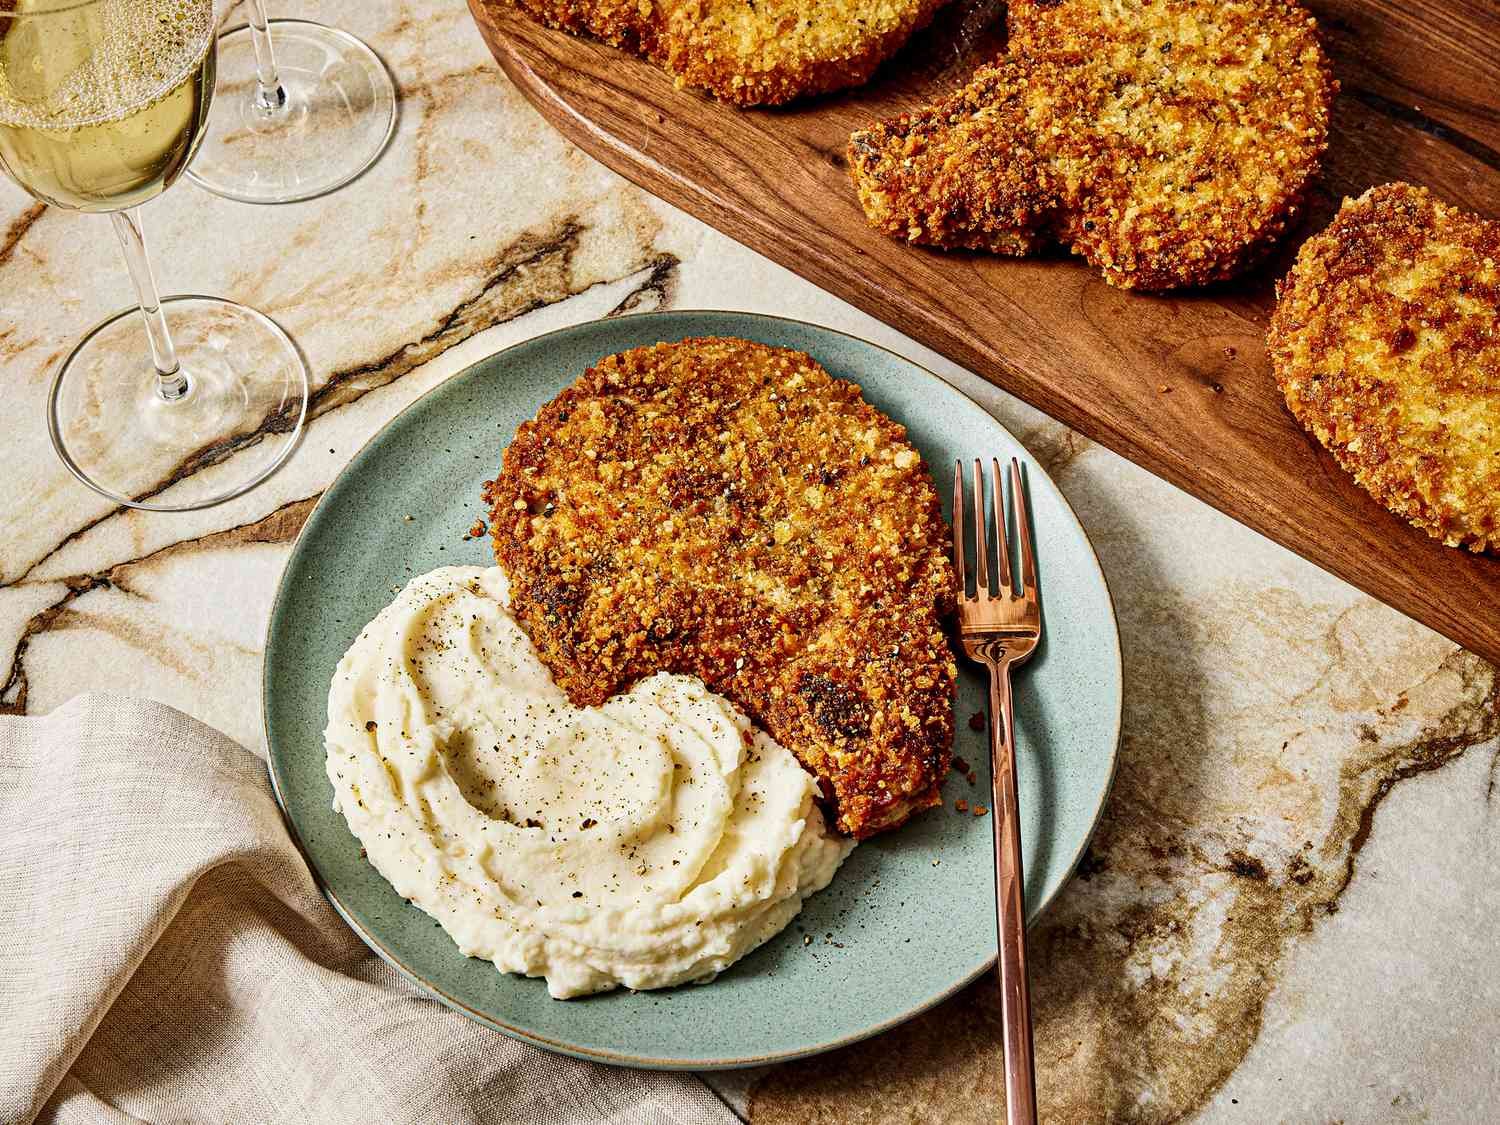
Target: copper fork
[{"x": 999, "y": 626}]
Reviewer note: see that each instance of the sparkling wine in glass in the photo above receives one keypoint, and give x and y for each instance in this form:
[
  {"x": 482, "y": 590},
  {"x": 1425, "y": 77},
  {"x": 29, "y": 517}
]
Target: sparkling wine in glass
[
  {"x": 102, "y": 105},
  {"x": 301, "y": 109}
]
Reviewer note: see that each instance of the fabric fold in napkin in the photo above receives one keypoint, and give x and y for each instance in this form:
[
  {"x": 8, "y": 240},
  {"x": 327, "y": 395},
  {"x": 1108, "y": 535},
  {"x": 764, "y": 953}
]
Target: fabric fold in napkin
[{"x": 166, "y": 956}]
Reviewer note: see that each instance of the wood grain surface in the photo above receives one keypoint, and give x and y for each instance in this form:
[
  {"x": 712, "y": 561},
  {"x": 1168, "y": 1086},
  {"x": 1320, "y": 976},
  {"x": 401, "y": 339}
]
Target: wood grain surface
[{"x": 1179, "y": 384}]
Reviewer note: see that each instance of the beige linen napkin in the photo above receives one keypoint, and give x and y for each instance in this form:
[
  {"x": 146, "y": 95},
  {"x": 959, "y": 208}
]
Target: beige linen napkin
[{"x": 166, "y": 957}]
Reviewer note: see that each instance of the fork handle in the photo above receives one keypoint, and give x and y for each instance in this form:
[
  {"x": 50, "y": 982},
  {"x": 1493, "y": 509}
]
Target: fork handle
[{"x": 1010, "y": 905}]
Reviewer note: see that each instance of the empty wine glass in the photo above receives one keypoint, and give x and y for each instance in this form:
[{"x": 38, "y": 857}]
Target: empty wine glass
[
  {"x": 301, "y": 109},
  {"x": 102, "y": 104}
]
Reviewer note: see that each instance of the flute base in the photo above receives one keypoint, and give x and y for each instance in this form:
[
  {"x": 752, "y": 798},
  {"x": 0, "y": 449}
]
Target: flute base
[
  {"x": 236, "y": 424},
  {"x": 337, "y": 117}
]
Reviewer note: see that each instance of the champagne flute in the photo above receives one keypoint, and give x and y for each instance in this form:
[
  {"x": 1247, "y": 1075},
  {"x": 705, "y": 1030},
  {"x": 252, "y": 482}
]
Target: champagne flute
[
  {"x": 301, "y": 109},
  {"x": 102, "y": 104}
]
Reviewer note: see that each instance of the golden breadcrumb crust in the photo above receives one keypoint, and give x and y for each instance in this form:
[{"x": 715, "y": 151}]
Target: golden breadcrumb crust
[
  {"x": 1386, "y": 344},
  {"x": 749, "y": 52},
  {"x": 1168, "y": 142},
  {"x": 728, "y": 510}
]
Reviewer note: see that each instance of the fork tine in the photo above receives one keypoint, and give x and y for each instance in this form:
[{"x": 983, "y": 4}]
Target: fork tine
[
  {"x": 981, "y": 536},
  {"x": 958, "y": 527},
  {"x": 1002, "y": 545},
  {"x": 1023, "y": 530}
]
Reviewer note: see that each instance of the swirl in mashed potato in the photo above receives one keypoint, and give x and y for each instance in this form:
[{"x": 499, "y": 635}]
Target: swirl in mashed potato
[{"x": 651, "y": 841}]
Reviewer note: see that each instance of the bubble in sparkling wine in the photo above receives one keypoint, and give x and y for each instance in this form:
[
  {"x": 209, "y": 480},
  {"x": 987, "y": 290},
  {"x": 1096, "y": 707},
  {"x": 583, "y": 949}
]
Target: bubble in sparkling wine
[{"x": 104, "y": 62}]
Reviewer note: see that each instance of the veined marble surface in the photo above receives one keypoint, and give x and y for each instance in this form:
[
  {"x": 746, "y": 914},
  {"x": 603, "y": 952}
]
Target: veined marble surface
[{"x": 1290, "y": 912}]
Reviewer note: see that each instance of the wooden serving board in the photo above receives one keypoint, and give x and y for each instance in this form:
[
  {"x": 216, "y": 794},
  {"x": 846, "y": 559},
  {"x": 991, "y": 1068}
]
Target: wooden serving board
[{"x": 1179, "y": 384}]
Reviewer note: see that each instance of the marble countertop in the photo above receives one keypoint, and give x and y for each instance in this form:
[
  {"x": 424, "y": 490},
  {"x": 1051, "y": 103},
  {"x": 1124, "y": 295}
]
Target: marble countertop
[{"x": 1290, "y": 910}]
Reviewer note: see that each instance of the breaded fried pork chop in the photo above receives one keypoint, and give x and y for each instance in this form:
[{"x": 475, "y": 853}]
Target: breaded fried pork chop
[
  {"x": 1167, "y": 142},
  {"x": 1386, "y": 344},
  {"x": 749, "y": 52},
  {"x": 728, "y": 510}
]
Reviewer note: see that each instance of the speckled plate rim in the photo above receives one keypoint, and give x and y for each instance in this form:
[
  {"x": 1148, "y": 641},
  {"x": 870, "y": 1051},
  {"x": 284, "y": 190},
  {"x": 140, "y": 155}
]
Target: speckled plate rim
[{"x": 646, "y": 1062}]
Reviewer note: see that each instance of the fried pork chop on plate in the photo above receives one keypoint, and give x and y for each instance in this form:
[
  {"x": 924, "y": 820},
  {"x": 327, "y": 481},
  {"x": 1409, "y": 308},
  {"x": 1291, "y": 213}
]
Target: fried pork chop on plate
[
  {"x": 728, "y": 510},
  {"x": 1168, "y": 142}
]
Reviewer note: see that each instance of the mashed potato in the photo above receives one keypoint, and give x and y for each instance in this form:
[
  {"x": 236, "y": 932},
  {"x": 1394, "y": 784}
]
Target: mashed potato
[{"x": 651, "y": 841}]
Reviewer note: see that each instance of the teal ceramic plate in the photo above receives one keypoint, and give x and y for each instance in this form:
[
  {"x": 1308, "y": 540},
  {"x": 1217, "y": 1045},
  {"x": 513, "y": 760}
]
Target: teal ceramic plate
[{"x": 910, "y": 914}]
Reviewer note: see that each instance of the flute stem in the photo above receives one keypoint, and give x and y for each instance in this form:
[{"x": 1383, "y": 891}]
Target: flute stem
[
  {"x": 171, "y": 383},
  {"x": 270, "y": 95}
]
